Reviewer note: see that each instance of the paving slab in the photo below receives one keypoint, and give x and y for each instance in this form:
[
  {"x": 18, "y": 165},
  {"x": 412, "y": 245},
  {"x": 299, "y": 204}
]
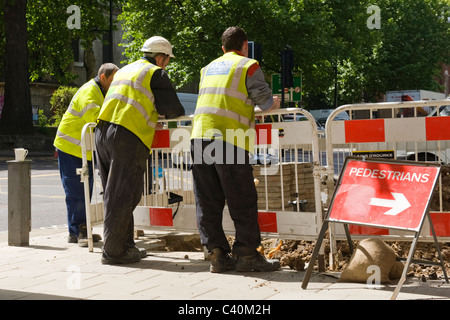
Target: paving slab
[{"x": 52, "y": 269}]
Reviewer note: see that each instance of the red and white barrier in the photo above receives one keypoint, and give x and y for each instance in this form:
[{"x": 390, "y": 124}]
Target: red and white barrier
[
  {"x": 168, "y": 201},
  {"x": 412, "y": 138}
]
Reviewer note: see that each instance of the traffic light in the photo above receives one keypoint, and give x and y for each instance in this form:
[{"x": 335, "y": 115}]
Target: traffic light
[{"x": 287, "y": 64}]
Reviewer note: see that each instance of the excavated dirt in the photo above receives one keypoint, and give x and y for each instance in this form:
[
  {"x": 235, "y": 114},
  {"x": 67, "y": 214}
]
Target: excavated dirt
[{"x": 295, "y": 254}]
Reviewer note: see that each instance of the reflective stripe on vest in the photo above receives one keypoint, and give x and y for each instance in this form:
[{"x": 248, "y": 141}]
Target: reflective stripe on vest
[
  {"x": 223, "y": 103},
  {"x": 81, "y": 113},
  {"x": 233, "y": 90},
  {"x": 225, "y": 113},
  {"x": 83, "y": 108},
  {"x": 68, "y": 138},
  {"x": 130, "y": 101},
  {"x": 135, "y": 104}
]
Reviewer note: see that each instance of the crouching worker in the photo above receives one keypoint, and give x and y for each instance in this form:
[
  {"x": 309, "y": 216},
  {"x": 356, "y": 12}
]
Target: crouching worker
[{"x": 84, "y": 108}]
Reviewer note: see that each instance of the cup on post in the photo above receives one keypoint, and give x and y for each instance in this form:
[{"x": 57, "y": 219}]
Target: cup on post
[{"x": 21, "y": 154}]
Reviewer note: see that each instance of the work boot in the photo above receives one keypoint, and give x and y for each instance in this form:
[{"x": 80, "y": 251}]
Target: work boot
[
  {"x": 71, "y": 238},
  {"x": 221, "y": 261},
  {"x": 82, "y": 239},
  {"x": 256, "y": 262},
  {"x": 134, "y": 248},
  {"x": 142, "y": 252},
  {"x": 130, "y": 256}
]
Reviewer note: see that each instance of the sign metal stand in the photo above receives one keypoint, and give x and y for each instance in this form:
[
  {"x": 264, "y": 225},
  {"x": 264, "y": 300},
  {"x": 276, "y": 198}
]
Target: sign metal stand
[{"x": 387, "y": 194}]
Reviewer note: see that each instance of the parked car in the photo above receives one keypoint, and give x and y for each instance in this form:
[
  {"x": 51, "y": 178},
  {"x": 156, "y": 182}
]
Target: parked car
[
  {"x": 322, "y": 115},
  {"x": 188, "y": 101},
  {"x": 443, "y": 111}
]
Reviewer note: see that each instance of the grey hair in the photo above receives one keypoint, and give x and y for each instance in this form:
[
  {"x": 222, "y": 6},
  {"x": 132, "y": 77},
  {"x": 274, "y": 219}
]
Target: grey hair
[{"x": 107, "y": 69}]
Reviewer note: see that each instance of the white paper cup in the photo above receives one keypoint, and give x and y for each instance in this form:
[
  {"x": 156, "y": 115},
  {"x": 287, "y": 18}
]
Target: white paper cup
[{"x": 21, "y": 154}]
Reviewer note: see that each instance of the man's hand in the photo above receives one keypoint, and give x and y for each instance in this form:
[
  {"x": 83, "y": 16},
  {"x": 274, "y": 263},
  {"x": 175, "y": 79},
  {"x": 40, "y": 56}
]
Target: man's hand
[
  {"x": 160, "y": 125},
  {"x": 276, "y": 103}
]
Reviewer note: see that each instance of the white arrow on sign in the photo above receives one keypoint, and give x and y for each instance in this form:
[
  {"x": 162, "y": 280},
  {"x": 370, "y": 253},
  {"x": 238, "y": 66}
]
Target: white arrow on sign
[{"x": 398, "y": 205}]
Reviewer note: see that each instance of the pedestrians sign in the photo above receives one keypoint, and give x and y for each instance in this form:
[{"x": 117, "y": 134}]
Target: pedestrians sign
[
  {"x": 293, "y": 94},
  {"x": 384, "y": 194}
]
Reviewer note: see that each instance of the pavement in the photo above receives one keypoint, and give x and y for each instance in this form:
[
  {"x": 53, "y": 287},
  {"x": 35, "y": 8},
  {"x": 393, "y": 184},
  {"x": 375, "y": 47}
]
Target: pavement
[{"x": 49, "y": 268}]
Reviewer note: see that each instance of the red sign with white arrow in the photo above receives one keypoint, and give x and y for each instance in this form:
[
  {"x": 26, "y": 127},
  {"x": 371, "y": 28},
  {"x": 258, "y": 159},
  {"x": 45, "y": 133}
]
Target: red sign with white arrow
[{"x": 384, "y": 194}]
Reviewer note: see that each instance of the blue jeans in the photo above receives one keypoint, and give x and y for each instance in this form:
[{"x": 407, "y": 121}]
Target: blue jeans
[{"x": 74, "y": 190}]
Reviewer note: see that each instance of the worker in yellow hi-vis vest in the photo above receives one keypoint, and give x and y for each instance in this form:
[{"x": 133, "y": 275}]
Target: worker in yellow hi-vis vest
[
  {"x": 222, "y": 138},
  {"x": 83, "y": 108},
  {"x": 124, "y": 134}
]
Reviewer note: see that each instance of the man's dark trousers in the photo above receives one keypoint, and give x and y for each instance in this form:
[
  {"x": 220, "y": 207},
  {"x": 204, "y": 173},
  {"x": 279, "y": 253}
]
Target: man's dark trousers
[
  {"x": 222, "y": 173},
  {"x": 122, "y": 160}
]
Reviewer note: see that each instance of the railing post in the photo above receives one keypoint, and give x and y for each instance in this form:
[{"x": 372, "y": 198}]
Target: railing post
[{"x": 19, "y": 202}]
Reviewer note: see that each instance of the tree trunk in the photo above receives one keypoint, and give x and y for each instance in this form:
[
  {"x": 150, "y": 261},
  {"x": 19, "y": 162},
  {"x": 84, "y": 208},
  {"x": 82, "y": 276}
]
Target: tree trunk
[
  {"x": 89, "y": 62},
  {"x": 17, "y": 114}
]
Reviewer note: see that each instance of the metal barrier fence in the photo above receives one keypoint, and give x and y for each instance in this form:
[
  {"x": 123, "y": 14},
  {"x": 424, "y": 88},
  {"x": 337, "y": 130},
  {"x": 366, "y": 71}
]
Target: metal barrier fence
[
  {"x": 94, "y": 199},
  {"x": 287, "y": 171},
  {"x": 291, "y": 160},
  {"x": 398, "y": 131}
]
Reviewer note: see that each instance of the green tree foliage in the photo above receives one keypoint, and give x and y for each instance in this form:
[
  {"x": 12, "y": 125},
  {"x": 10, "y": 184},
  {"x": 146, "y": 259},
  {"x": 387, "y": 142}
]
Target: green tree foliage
[
  {"x": 47, "y": 49},
  {"x": 415, "y": 43},
  {"x": 59, "y": 102},
  {"x": 406, "y": 52},
  {"x": 50, "y": 38}
]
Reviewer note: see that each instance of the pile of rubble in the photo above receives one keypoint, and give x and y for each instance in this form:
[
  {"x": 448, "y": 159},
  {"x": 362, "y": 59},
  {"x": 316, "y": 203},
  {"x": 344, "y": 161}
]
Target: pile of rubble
[{"x": 296, "y": 253}]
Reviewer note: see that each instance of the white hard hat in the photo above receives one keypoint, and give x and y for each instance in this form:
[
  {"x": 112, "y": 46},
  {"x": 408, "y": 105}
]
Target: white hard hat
[{"x": 158, "y": 44}]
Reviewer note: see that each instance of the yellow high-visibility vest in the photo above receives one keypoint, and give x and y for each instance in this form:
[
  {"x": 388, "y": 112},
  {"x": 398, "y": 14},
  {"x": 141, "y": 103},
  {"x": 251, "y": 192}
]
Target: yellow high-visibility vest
[
  {"x": 224, "y": 110},
  {"x": 83, "y": 108},
  {"x": 130, "y": 101}
]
